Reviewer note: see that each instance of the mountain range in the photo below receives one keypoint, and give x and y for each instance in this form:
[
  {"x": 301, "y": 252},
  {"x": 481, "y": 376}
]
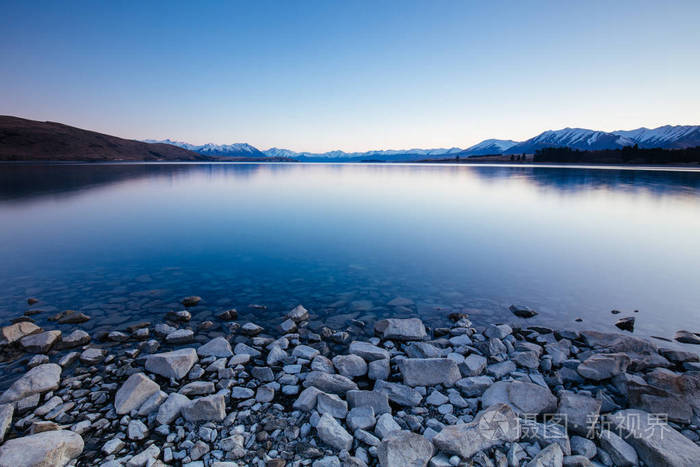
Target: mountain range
[{"x": 665, "y": 137}]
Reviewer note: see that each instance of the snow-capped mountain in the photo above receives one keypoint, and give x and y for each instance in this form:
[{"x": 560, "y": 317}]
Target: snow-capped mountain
[
  {"x": 490, "y": 146},
  {"x": 667, "y": 136},
  {"x": 574, "y": 138},
  {"x": 378, "y": 155},
  {"x": 210, "y": 149}
]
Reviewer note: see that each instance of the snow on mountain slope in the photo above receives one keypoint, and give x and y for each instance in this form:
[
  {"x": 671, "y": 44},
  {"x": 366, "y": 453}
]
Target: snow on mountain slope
[
  {"x": 210, "y": 149},
  {"x": 385, "y": 154},
  {"x": 490, "y": 146},
  {"x": 575, "y": 138},
  {"x": 667, "y": 136}
]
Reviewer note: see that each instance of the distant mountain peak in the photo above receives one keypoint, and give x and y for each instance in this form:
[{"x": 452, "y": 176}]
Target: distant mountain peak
[{"x": 211, "y": 149}]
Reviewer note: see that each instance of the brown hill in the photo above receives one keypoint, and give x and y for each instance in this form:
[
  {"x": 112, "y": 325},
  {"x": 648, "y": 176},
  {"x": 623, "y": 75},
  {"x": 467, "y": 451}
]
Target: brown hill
[{"x": 31, "y": 140}]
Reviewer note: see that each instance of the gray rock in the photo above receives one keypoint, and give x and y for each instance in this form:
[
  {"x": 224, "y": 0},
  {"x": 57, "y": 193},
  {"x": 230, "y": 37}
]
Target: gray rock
[
  {"x": 275, "y": 355},
  {"x": 197, "y": 388},
  {"x": 336, "y": 384},
  {"x": 474, "y": 385},
  {"x": 205, "y": 409},
  {"x": 687, "y": 337},
  {"x": 473, "y": 365},
  {"x": 251, "y": 329},
  {"x": 321, "y": 363},
  {"x": 436, "y": 398},
  {"x": 134, "y": 392},
  {"x": 264, "y": 394},
  {"x": 40, "y": 343},
  {"x": 528, "y": 359},
  {"x": 92, "y": 356},
  {"x": 603, "y": 366},
  {"x": 350, "y": 366},
  {"x": 378, "y": 400},
  {"x": 218, "y": 347},
  {"x": 581, "y": 411},
  {"x": 399, "y": 393},
  {"x": 491, "y": 427},
  {"x": 175, "y": 364},
  {"x": 288, "y": 326},
  {"x": 136, "y": 430},
  {"x": 144, "y": 457},
  {"x": 152, "y": 403},
  {"x": 577, "y": 461},
  {"x": 501, "y": 369},
  {"x": 423, "y": 350},
  {"x": 497, "y": 331},
  {"x": 332, "y": 433},
  {"x": 360, "y": 418},
  {"x": 6, "y": 412},
  {"x": 305, "y": 352},
  {"x": 36, "y": 360},
  {"x": 307, "y": 399},
  {"x": 404, "y": 448},
  {"x": 112, "y": 446},
  {"x": 368, "y": 351},
  {"x": 239, "y": 392},
  {"x": 299, "y": 313},
  {"x": 75, "y": 339},
  {"x": 546, "y": 433},
  {"x": 379, "y": 369},
  {"x": 429, "y": 371},
  {"x": 38, "y": 380},
  {"x": 622, "y": 454},
  {"x": 656, "y": 442},
  {"x": 50, "y": 448},
  {"x": 385, "y": 425},
  {"x": 263, "y": 373},
  {"x": 14, "y": 332},
  {"x": 583, "y": 446},
  {"x": 410, "y": 329},
  {"x": 180, "y": 336},
  {"x": 551, "y": 456},
  {"x": 171, "y": 408},
  {"x": 524, "y": 398},
  {"x": 190, "y": 301},
  {"x": 522, "y": 311},
  {"x": 332, "y": 405},
  {"x": 243, "y": 349}
]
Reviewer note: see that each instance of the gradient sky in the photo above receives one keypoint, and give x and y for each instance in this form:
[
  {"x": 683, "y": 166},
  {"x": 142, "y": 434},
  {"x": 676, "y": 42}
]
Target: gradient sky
[{"x": 354, "y": 75}]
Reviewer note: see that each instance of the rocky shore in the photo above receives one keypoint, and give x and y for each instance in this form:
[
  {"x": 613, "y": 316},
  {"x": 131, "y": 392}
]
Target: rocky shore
[{"x": 395, "y": 394}]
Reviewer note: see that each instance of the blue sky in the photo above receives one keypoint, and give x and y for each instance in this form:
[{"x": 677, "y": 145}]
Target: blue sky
[{"x": 354, "y": 75}]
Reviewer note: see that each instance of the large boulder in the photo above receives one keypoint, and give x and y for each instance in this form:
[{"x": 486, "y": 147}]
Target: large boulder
[
  {"x": 603, "y": 366},
  {"x": 491, "y": 427},
  {"x": 429, "y": 371},
  {"x": 404, "y": 448},
  {"x": 218, "y": 347},
  {"x": 134, "y": 392},
  {"x": 524, "y": 398},
  {"x": 175, "y": 364},
  {"x": 655, "y": 441},
  {"x": 205, "y": 409},
  {"x": 409, "y": 329},
  {"x": 39, "y": 379},
  {"x": 46, "y": 449},
  {"x": 15, "y": 332},
  {"x": 40, "y": 343}
]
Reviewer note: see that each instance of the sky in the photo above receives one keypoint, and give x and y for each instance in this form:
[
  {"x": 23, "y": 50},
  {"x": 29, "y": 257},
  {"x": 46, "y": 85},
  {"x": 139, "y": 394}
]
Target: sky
[{"x": 352, "y": 75}]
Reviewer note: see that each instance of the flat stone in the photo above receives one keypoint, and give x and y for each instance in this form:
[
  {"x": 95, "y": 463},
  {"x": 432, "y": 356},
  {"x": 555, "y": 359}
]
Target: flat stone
[
  {"x": 264, "y": 394},
  {"x": 385, "y": 425},
  {"x": 404, "y": 448},
  {"x": 687, "y": 337},
  {"x": 494, "y": 426},
  {"x": 92, "y": 356},
  {"x": 181, "y": 336},
  {"x": 305, "y": 352},
  {"x": 175, "y": 364},
  {"x": 473, "y": 365},
  {"x": 50, "y": 448},
  {"x": 350, "y": 366},
  {"x": 622, "y": 454},
  {"x": 332, "y": 405},
  {"x": 410, "y": 329},
  {"x": 307, "y": 399},
  {"x": 524, "y": 398},
  {"x": 112, "y": 446},
  {"x": 197, "y": 388},
  {"x": 399, "y": 393},
  {"x": 75, "y": 339},
  {"x": 474, "y": 385},
  {"x": 501, "y": 369},
  {"x": 239, "y": 392},
  {"x": 243, "y": 349},
  {"x": 655, "y": 441},
  {"x": 41, "y": 342},
  {"x": 336, "y": 384},
  {"x": 360, "y": 418},
  {"x": 205, "y": 409},
  {"x": 39, "y": 379},
  {"x": 429, "y": 371},
  {"x": 332, "y": 433},
  {"x": 378, "y": 400},
  {"x": 603, "y": 366},
  {"x": 218, "y": 347},
  {"x": 14, "y": 332},
  {"x": 379, "y": 369},
  {"x": 171, "y": 408},
  {"x": 583, "y": 446},
  {"x": 134, "y": 392},
  {"x": 152, "y": 403},
  {"x": 581, "y": 412},
  {"x": 368, "y": 351}
]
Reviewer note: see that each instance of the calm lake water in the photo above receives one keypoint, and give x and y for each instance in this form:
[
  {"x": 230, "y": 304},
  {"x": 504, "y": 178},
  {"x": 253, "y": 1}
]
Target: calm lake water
[{"x": 127, "y": 242}]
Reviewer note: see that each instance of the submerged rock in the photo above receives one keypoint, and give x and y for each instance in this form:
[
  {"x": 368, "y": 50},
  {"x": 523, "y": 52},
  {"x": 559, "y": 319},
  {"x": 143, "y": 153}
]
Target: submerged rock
[
  {"x": 192, "y": 300},
  {"x": 50, "y": 448},
  {"x": 687, "y": 337},
  {"x": 522, "y": 311},
  {"x": 40, "y": 343},
  {"x": 15, "y": 332}
]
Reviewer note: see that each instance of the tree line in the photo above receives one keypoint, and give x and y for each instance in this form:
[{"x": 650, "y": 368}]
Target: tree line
[{"x": 627, "y": 155}]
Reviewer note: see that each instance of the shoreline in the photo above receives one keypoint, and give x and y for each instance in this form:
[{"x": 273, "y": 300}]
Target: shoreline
[{"x": 299, "y": 394}]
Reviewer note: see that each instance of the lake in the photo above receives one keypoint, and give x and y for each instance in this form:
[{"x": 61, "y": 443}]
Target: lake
[{"x": 125, "y": 242}]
